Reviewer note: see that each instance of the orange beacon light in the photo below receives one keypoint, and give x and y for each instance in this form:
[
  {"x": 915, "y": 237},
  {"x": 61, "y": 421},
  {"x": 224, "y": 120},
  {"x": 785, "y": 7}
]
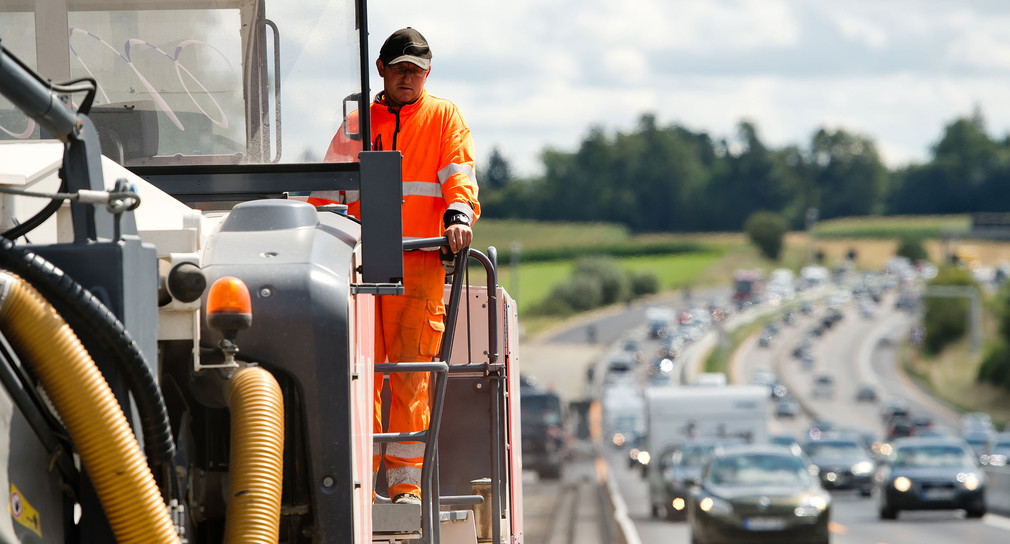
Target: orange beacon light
[{"x": 229, "y": 307}]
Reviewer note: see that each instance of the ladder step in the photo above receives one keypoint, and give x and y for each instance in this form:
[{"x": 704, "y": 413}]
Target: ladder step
[{"x": 400, "y": 519}]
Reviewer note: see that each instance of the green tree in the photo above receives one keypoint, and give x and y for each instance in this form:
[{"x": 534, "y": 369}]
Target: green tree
[
  {"x": 912, "y": 249},
  {"x": 946, "y": 319},
  {"x": 746, "y": 179},
  {"x": 995, "y": 367},
  {"x": 850, "y": 177},
  {"x": 968, "y": 172},
  {"x": 766, "y": 230},
  {"x": 615, "y": 283},
  {"x": 498, "y": 172}
]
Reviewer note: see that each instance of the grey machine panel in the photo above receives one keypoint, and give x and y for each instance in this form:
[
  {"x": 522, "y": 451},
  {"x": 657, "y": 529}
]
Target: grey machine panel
[{"x": 296, "y": 263}]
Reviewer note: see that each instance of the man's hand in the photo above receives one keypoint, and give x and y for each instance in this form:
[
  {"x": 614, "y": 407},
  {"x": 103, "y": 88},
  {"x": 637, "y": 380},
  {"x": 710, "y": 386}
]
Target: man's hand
[{"x": 459, "y": 237}]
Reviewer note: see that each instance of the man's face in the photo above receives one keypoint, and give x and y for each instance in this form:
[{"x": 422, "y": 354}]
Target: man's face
[{"x": 403, "y": 82}]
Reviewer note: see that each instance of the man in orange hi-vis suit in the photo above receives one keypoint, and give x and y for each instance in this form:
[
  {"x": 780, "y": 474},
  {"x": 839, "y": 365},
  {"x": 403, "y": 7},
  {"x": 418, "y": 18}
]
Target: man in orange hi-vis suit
[{"x": 439, "y": 197}]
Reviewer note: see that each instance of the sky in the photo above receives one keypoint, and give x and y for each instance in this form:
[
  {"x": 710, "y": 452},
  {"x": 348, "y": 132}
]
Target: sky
[{"x": 533, "y": 74}]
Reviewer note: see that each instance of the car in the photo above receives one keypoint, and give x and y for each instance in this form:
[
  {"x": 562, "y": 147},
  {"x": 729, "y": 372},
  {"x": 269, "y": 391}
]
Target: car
[
  {"x": 660, "y": 321},
  {"x": 776, "y": 388},
  {"x": 997, "y": 451},
  {"x": 975, "y": 421},
  {"x": 671, "y": 478},
  {"x": 921, "y": 423},
  {"x": 783, "y": 439},
  {"x": 759, "y": 492},
  {"x": 544, "y": 438},
  {"x": 661, "y": 372},
  {"x": 899, "y": 427},
  {"x": 807, "y": 360},
  {"x": 866, "y": 393},
  {"x": 842, "y": 463},
  {"x": 634, "y": 348},
  {"x": 620, "y": 365},
  {"x": 977, "y": 440},
  {"x": 892, "y": 407},
  {"x": 934, "y": 473},
  {"x": 787, "y": 407},
  {"x": 819, "y": 428},
  {"x": 671, "y": 346},
  {"x": 823, "y": 386}
]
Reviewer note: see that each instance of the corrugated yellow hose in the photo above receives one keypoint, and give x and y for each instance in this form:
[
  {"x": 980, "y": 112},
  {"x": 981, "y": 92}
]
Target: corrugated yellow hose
[
  {"x": 90, "y": 412},
  {"x": 257, "y": 457}
]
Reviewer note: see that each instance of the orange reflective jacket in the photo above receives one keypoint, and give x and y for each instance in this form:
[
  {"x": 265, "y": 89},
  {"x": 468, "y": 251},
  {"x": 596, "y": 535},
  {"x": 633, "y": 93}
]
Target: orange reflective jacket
[{"x": 439, "y": 172}]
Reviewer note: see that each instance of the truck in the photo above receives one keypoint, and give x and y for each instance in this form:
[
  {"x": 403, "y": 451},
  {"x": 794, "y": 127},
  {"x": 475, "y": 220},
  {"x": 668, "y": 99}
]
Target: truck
[
  {"x": 623, "y": 414},
  {"x": 186, "y": 344},
  {"x": 748, "y": 288},
  {"x": 674, "y": 415},
  {"x": 544, "y": 437},
  {"x": 677, "y": 416}
]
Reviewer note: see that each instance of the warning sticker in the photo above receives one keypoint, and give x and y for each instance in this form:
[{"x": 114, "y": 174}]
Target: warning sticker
[{"x": 23, "y": 513}]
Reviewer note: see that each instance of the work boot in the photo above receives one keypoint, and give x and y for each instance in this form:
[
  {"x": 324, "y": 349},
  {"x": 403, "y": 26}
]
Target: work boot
[{"x": 407, "y": 498}]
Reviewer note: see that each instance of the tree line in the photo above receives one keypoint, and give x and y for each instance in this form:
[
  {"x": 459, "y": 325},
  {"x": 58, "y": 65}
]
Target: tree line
[{"x": 672, "y": 179}]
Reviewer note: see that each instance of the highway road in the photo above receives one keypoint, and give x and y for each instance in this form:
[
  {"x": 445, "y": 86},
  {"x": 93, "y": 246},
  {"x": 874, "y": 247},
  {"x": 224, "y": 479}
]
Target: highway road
[
  {"x": 850, "y": 351},
  {"x": 856, "y": 350}
]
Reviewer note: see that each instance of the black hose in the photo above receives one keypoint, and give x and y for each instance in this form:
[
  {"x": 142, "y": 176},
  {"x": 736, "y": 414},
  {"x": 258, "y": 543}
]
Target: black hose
[
  {"x": 24, "y": 228},
  {"x": 111, "y": 334}
]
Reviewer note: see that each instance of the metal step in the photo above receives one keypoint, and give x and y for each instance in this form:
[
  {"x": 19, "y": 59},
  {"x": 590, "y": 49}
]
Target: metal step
[
  {"x": 396, "y": 519},
  {"x": 402, "y": 522}
]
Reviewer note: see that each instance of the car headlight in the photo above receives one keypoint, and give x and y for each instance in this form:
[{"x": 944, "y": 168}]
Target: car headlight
[
  {"x": 811, "y": 506},
  {"x": 644, "y": 457},
  {"x": 715, "y": 506},
  {"x": 969, "y": 480},
  {"x": 902, "y": 484},
  {"x": 862, "y": 468}
]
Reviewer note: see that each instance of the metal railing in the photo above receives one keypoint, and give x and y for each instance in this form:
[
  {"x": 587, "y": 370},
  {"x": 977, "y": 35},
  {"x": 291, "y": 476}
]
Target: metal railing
[{"x": 431, "y": 500}]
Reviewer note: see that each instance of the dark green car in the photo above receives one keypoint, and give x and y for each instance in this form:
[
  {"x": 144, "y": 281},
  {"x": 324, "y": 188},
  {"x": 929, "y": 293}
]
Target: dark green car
[{"x": 759, "y": 493}]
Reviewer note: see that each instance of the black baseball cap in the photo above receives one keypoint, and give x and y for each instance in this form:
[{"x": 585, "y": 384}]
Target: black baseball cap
[{"x": 406, "y": 45}]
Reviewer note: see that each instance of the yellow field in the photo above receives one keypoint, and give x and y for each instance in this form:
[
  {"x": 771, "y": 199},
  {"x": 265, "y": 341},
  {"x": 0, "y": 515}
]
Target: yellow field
[{"x": 873, "y": 253}]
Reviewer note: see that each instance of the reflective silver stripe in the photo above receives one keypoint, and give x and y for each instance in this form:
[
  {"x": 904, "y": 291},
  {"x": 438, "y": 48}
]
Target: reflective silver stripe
[
  {"x": 405, "y": 450},
  {"x": 403, "y": 475},
  {"x": 421, "y": 188},
  {"x": 454, "y": 168},
  {"x": 464, "y": 208}
]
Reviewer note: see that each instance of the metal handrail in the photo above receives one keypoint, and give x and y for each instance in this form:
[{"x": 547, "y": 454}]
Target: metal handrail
[
  {"x": 430, "y": 498},
  {"x": 429, "y": 492}
]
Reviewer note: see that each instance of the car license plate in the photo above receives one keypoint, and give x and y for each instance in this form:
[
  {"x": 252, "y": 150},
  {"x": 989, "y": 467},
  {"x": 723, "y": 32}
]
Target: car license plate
[
  {"x": 764, "y": 524},
  {"x": 938, "y": 494}
]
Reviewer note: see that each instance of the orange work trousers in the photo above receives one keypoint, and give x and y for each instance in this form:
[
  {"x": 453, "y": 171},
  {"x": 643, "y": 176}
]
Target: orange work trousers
[{"x": 408, "y": 328}]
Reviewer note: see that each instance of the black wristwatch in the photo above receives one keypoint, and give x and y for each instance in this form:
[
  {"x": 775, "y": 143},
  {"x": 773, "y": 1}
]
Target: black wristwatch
[{"x": 453, "y": 217}]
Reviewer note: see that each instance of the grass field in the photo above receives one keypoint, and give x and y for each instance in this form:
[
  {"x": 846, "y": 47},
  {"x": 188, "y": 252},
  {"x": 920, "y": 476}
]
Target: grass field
[
  {"x": 924, "y": 226},
  {"x": 506, "y": 233}
]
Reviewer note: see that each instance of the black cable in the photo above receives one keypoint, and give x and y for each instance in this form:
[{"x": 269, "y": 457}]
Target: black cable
[
  {"x": 98, "y": 322},
  {"x": 32, "y": 223},
  {"x": 40, "y": 217},
  {"x": 118, "y": 202}
]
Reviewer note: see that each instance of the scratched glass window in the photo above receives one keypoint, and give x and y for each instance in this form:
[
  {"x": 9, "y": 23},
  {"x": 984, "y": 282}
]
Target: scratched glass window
[
  {"x": 198, "y": 81},
  {"x": 17, "y": 30},
  {"x": 184, "y": 64}
]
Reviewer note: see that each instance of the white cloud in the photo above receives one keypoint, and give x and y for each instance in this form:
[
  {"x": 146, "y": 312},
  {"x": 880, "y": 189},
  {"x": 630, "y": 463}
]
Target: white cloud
[
  {"x": 869, "y": 32},
  {"x": 530, "y": 74}
]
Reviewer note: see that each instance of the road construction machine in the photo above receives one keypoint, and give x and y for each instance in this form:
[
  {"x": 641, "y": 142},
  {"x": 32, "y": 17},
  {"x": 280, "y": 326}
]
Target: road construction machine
[{"x": 186, "y": 344}]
